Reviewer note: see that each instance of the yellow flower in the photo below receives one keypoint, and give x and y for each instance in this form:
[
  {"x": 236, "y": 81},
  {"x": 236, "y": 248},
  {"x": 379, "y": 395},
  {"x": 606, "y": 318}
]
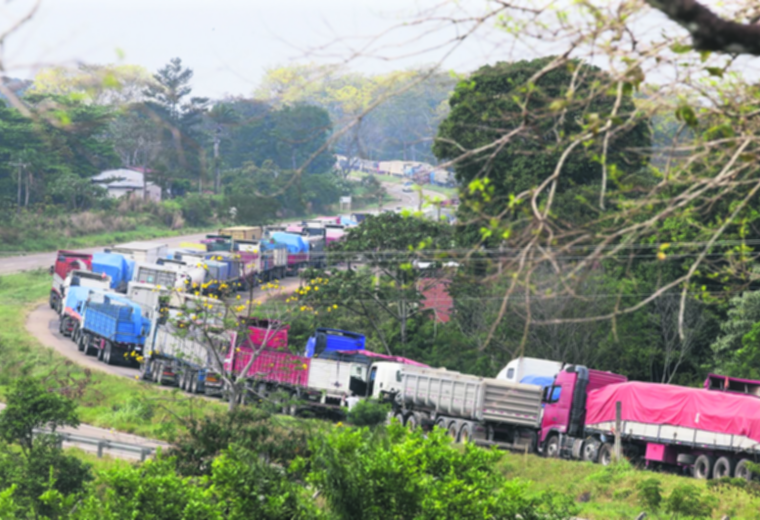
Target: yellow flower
[
  {"x": 338, "y": 424},
  {"x": 237, "y": 297},
  {"x": 137, "y": 377},
  {"x": 305, "y": 366},
  {"x": 335, "y": 306}
]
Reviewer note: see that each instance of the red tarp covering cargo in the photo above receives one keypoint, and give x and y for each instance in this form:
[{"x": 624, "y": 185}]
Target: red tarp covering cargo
[
  {"x": 274, "y": 363},
  {"x": 696, "y": 408}
]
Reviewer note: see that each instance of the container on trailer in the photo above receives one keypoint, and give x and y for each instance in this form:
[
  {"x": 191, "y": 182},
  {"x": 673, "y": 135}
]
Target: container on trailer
[
  {"x": 330, "y": 340},
  {"x": 145, "y": 252},
  {"x": 524, "y": 366},
  {"x": 118, "y": 267},
  {"x": 279, "y": 254},
  {"x": 297, "y": 248},
  {"x": 112, "y": 327},
  {"x": 295, "y": 228},
  {"x": 72, "y": 309},
  {"x": 243, "y": 232},
  {"x": 189, "y": 274},
  {"x": 217, "y": 273},
  {"x": 470, "y": 397},
  {"x": 231, "y": 259}
]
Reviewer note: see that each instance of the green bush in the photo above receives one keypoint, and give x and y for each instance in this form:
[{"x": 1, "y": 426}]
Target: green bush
[
  {"x": 369, "y": 412},
  {"x": 650, "y": 493},
  {"x": 397, "y": 473},
  {"x": 686, "y": 500},
  {"x": 197, "y": 210}
]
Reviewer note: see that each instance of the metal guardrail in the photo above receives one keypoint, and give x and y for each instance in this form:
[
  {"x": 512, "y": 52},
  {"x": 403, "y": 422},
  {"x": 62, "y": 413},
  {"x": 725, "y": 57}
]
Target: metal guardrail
[{"x": 102, "y": 444}]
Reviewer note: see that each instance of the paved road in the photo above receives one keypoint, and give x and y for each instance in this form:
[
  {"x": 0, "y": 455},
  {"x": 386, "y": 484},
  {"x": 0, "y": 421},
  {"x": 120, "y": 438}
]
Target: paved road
[{"x": 14, "y": 264}]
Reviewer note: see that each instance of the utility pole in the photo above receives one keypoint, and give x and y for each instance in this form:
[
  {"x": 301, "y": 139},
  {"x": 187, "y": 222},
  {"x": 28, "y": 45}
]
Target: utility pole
[
  {"x": 20, "y": 166},
  {"x": 217, "y": 179}
]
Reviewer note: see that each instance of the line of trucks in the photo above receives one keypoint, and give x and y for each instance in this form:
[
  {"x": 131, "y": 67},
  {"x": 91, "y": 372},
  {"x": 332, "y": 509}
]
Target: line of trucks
[{"x": 543, "y": 406}]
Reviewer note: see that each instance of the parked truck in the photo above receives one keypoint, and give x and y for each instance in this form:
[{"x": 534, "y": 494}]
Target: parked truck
[
  {"x": 297, "y": 249},
  {"x": 65, "y": 262},
  {"x": 112, "y": 328},
  {"x": 243, "y": 232},
  {"x": 70, "y": 318},
  {"x": 484, "y": 410}
]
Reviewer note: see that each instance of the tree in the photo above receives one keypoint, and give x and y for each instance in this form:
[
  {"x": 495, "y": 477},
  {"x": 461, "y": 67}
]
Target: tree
[
  {"x": 39, "y": 462},
  {"x": 182, "y": 152},
  {"x": 389, "y": 286},
  {"x": 114, "y": 85},
  {"x": 736, "y": 350}
]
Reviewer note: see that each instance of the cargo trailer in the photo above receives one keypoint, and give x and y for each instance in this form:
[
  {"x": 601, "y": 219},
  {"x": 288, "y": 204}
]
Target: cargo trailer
[{"x": 144, "y": 252}]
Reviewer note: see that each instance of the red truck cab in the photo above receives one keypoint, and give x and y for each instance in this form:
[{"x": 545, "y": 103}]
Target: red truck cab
[
  {"x": 565, "y": 404},
  {"x": 65, "y": 262}
]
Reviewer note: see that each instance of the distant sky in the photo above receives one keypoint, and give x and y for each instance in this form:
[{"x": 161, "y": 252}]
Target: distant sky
[{"x": 228, "y": 43}]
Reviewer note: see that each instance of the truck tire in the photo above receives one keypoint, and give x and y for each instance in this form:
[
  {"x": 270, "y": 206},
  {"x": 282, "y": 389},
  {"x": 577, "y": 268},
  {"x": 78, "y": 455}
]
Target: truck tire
[
  {"x": 144, "y": 371},
  {"x": 100, "y": 352},
  {"x": 80, "y": 342},
  {"x": 724, "y": 467},
  {"x": 465, "y": 432},
  {"x": 606, "y": 454},
  {"x": 399, "y": 416},
  {"x": 552, "y": 447},
  {"x": 61, "y": 325},
  {"x": 75, "y": 333},
  {"x": 742, "y": 470},
  {"x": 193, "y": 384},
  {"x": 52, "y": 299},
  {"x": 158, "y": 374},
  {"x": 453, "y": 431},
  {"x": 412, "y": 421},
  {"x": 590, "y": 450},
  {"x": 182, "y": 381},
  {"x": 108, "y": 354},
  {"x": 703, "y": 467}
]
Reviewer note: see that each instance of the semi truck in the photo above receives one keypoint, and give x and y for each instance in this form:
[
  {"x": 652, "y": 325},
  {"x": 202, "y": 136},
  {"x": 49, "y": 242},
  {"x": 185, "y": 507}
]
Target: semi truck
[
  {"x": 112, "y": 328},
  {"x": 483, "y": 410},
  {"x": 319, "y": 384},
  {"x": 65, "y": 262},
  {"x": 297, "y": 249}
]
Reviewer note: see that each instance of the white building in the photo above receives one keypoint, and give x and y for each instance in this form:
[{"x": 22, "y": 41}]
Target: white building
[{"x": 123, "y": 182}]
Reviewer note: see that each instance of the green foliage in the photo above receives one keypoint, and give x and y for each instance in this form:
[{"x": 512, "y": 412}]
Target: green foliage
[
  {"x": 368, "y": 412},
  {"x": 686, "y": 501},
  {"x": 737, "y": 349},
  {"x": 197, "y": 210},
  {"x": 358, "y": 471},
  {"x": 250, "y": 428},
  {"x": 650, "y": 493}
]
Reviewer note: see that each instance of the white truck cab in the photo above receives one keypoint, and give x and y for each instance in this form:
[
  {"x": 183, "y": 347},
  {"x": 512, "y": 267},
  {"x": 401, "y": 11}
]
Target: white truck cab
[
  {"x": 384, "y": 378},
  {"x": 525, "y": 366}
]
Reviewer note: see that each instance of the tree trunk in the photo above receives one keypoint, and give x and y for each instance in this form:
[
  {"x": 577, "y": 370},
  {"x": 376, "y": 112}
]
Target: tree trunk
[
  {"x": 28, "y": 184},
  {"x": 18, "y": 197}
]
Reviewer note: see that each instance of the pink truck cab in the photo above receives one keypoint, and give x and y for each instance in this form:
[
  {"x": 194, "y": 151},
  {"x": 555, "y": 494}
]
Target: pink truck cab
[{"x": 565, "y": 407}]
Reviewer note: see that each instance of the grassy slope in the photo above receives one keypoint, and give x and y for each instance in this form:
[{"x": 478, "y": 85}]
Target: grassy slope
[
  {"x": 52, "y": 243},
  {"x": 611, "y": 492},
  {"x": 108, "y": 401}
]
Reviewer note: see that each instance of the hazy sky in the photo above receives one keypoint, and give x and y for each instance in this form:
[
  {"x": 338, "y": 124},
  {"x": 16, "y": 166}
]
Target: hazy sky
[{"x": 228, "y": 43}]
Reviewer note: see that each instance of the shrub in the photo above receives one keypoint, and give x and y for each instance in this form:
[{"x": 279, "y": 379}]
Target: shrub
[
  {"x": 197, "y": 210},
  {"x": 650, "y": 493},
  {"x": 369, "y": 412},
  {"x": 686, "y": 501}
]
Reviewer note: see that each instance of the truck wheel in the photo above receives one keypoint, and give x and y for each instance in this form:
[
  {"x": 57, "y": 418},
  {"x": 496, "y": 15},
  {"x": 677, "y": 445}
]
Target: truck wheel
[
  {"x": 742, "y": 470},
  {"x": 453, "y": 431},
  {"x": 590, "y": 450},
  {"x": 75, "y": 333},
  {"x": 144, "y": 371},
  {"x": 181, "y": 383},
  {"x": 80, "y": 342},
  {"x": 724, "y": 467},
  {"x": 159, "y": 373},
  {"x": 605, "y": 454},
  {"x": 100, "y": 352},
  {"x": 399, "y": 417},
  {"x": 412, "y": 421},
  {"x": 703, "y": 467},
  {"x": 465, "y": 433},
  {"x": 52, "y": 299},
  {"x": 552, "y": 447},
  {"x": 108, "y": 356},
  {"x": 60, "y": 325}
]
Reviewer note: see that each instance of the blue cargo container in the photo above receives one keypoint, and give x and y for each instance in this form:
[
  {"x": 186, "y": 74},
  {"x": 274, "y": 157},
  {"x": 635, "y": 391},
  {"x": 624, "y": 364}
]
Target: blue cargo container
[
  {"x": 294, "y": 243},
  {"x": 333, "y": 340},
  {"x": 118, "y": 267},
  {"x": 113, "y": 328}
]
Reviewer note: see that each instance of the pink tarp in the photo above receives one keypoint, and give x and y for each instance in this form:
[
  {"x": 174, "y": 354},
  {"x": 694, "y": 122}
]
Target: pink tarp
[{"x": 697, "y": 408}]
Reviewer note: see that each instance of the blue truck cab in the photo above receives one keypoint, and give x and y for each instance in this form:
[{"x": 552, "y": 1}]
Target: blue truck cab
[
  {"x": 72, "y": 309},
  {"x": 324, "y": 341},
  {"x": 113, "y": 328}
]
